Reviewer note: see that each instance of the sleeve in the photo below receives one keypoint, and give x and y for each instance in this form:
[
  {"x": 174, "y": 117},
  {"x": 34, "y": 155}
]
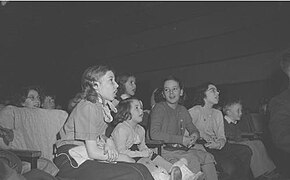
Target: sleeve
[
  {"x": 194, "y": 113},
  {"x": 280, "y": 124},
  {"x": 142, "y": 146},
  {"x": 88, "y": 122},
  {"x": 219, "y": 130},
  {"x": 7, "y": 117},
  {"x": 120, "y": 136},
  {"x": 190, "y": 127},
  {"x": 158, "y": 116}
]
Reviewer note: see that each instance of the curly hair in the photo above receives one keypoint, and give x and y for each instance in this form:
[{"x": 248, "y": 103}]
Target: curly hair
[
  {"x": 90, "y": 76},
  {"x": 121, "y": 80},
  {"x": 20, "y": 97},
  {"x": 124, "y": 110},
  {"x": 199, "y": 94}
]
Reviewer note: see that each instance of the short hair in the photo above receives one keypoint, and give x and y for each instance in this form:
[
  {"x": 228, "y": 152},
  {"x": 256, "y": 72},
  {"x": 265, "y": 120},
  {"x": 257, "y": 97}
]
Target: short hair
[
  {"x": 229, "y": 102},
  {"x": 90, "y": 76},
  {"x": 121, "y": 80},
  {"x": 174, "y": 78},
  {"x": 123, "y": 110},
  {"x": 181, "y": 86},
  {"x": 199, "y": 93}
]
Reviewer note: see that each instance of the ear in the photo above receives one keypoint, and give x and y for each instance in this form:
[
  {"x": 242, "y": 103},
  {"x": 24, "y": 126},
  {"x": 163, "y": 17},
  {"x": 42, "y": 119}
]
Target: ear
[
  {"x": 96, "y": 85},
  {"x": 181, "y": 92}
]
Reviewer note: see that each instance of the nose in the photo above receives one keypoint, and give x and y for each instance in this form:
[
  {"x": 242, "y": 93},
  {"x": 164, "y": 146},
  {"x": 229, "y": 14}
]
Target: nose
[{"x": 116, "y": 84}]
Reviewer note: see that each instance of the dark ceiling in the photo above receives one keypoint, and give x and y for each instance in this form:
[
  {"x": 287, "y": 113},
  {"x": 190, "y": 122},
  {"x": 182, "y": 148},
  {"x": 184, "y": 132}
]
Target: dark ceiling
[{"x": 38, "y": 39}]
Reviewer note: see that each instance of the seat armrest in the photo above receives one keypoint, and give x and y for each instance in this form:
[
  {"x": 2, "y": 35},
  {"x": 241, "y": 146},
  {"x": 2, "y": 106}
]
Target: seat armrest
[
  {"x": 28, "y": 156},
  {"x": 155, "y": 144}
]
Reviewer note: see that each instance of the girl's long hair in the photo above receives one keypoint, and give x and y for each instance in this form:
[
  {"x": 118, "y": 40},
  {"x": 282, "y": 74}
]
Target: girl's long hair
[{"x": 90, "y": 76}]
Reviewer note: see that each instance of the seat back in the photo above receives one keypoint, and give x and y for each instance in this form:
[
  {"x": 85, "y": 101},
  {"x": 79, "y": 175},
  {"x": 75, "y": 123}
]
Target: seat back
[{"x": 33, "y": 128}]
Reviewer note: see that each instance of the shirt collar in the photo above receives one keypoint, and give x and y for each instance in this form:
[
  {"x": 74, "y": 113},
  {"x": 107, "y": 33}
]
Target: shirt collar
[{"x": 229, "y": 120}]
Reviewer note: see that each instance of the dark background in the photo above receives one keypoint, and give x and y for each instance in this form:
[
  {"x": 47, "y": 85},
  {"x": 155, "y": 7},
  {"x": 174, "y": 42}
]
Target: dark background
[{"x": 51, "y": 43}]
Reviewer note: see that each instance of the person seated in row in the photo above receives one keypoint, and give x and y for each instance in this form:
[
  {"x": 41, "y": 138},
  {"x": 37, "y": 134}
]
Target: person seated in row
[
  {"x": 234, "y": 159},
  {"x": 26, "y": 97},
  {"x": 83, "y": 151},
  {"x": 279, "y": 122},
  {"x": 169, "y": 120},
  {"x": 129, "y": 138},
  {"x": 127, "y": 87},
  {"x": 261, "y": 164}
]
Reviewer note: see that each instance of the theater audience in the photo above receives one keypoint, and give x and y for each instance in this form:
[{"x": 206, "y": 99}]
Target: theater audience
[
  {"x": 129, "y": 138},
  {"x": 234, "y": 159},
  {"x": 169, "y": 120},
  {"x": 28, "y": 96},
  {"x": 127, "y": 87},
  {"x": 261, "y": 164},
  {"x": 83, "y": 151}
]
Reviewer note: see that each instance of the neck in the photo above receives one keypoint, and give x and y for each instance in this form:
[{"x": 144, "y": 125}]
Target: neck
[
  {"x": 133, "y": 124},
  {"x": 125, "y": 96},
  {"x": 208, "y": 105},
  {"x": 173, "y": 106},
  {"x": 231, "y": 118}
]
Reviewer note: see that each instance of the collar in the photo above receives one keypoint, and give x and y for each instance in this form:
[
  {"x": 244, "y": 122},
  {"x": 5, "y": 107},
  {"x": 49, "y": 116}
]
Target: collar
[
  {"x": 229, "y": 120},
  {"x": 125, "y": 96}
]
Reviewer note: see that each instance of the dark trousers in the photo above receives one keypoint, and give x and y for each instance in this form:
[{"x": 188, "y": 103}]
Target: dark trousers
[
  {"x": 234, "y": 160},
  {"x": 93, "y": 169}
]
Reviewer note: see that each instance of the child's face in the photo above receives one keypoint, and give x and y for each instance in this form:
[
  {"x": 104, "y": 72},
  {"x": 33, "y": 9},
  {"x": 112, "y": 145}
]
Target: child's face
[
  {"x": 235, "y": 111},
  {"x": 212, "y": 95},
  {"x": 136, "y": 111},
  {"x": 48, "y": 103},
  {"x": 130, "y": 86},
  {"x": 32, "y": 99},
  {"x": 172, "y": 91},
  {"x": 107, "y": 86}
]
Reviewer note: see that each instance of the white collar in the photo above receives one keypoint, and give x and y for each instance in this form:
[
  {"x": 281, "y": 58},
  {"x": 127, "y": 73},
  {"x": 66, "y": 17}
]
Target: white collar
[{"x": 229, "y": 120}]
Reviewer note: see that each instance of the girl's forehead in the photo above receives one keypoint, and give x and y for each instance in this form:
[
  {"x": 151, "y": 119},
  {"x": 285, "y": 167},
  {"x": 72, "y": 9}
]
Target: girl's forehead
[
  {"x": 131, "y": 78},
  {"x": 235, "y": 106},
  {"x": 32, "y": 92},
  {"x": 211, "y": 86},
  {"x": 108, "y": 74},
  {"x": 135, "y": 102},
  {"x": 170, "y": 83}
]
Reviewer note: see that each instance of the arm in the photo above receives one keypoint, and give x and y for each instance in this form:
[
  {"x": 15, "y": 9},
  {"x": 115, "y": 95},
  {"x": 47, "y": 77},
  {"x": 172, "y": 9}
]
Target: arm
[
  {"x": 219, "y": 130},
  {"x": 158, "y": 119},
  {"x": 142, "y": 146},
  {"x": 280, "y": 124},
  {"x": 191, "y": 128}
]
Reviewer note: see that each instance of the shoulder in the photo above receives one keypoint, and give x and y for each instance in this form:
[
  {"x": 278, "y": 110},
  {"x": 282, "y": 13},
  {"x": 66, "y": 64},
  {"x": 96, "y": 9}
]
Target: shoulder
[
  {"x": 195, "y": 110},
  {"x": 84, "y": 104},
  {"x": 159, "y": 106},
  {"x": 283, "y": 97},
  {"x": 121, "y": 128},
  {"x": 218, "y": 114},
  {"x": 140, "y": 128}
]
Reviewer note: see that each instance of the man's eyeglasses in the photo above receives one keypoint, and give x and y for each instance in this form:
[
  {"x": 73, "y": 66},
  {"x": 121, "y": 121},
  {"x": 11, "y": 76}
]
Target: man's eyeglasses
[{"x": 173, "y": 90}]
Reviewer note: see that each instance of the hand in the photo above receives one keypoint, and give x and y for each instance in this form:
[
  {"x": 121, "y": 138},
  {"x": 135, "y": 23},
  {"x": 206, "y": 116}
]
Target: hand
[
  {"x": 146, "y": 153},
  {"x": 212, "y": 145},
  {"x": 111, "y": 151},
  {"x": 188, "y": 141},
  {"x": 195, "y": 136}
]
